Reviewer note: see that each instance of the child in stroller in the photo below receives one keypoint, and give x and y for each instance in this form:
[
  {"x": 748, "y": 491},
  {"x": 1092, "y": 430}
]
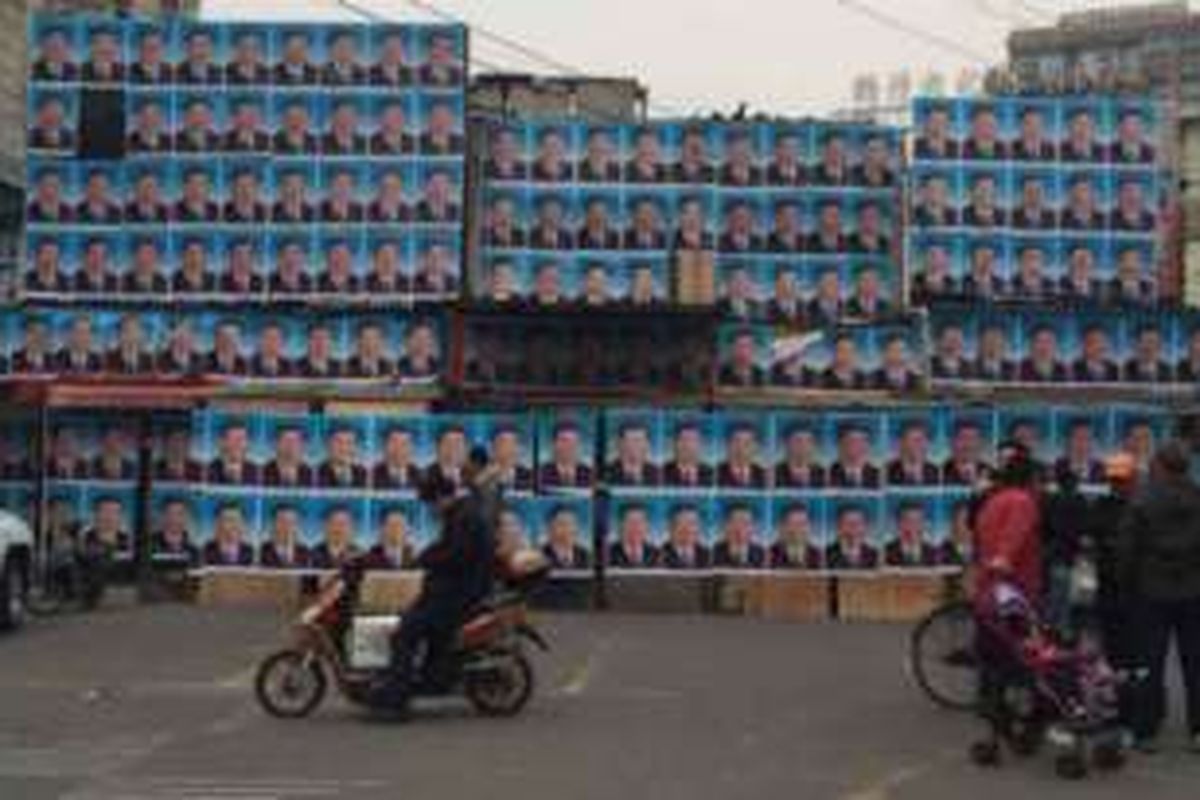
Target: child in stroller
[{"x": 1034, "y": 688}]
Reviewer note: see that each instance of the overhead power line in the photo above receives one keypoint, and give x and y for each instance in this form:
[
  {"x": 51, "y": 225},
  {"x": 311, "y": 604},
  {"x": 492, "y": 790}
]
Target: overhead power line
[
  {"x": 903, "y": 26},
  {"x": 1036, "y": 11},
  {"x": 528, "y": 52},
  {"x": 1017, "y": 12},
  {"x": 373, "y": 16}
]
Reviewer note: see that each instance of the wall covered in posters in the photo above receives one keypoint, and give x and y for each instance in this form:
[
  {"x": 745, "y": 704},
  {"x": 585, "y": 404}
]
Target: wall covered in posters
[
  {"x": 684, "y": 489},
  {"x": 317, "y": 170}
]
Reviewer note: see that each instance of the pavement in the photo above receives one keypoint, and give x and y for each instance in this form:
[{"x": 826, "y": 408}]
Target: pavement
[{"x": 155, "y": 703}]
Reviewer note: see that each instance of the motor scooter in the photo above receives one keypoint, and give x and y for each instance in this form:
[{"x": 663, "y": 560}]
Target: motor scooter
[{"x": 330, "y": 640}]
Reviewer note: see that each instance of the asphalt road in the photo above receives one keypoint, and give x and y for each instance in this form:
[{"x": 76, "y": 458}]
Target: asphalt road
[{"x": 154, "y": 703}]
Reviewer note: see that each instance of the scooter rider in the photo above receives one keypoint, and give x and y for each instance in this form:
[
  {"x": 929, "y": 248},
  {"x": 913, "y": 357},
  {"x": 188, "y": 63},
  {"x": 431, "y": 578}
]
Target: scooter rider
[{"x": 458, "y": 574}]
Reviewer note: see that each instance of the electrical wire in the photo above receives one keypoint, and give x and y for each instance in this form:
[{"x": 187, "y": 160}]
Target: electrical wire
[
  {"x": 526, "y": 51},
  {"x": 495, "y": 40},
  {"x": 901, "y": 26},
  {"x": 1039, "y": 13}
]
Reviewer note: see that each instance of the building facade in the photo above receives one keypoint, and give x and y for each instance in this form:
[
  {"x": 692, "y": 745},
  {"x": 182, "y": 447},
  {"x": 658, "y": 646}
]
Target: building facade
[
  {"x": 596, "y": 99},
  {"x": 1156, "y": 47},
  {"x": 12, "y": 125}
]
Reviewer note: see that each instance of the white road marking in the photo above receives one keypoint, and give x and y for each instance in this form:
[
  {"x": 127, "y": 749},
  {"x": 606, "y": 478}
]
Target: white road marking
[
  {"x": 222, "y": 788},
  {"x": 882, "y": 788},
  {"x": 577, "y": 681},
  {"x": 243, "y": 679}
]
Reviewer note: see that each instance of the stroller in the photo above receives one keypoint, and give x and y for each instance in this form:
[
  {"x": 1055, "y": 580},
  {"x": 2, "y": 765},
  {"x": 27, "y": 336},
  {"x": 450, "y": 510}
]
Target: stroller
[{"x": 1035, "y": 688}]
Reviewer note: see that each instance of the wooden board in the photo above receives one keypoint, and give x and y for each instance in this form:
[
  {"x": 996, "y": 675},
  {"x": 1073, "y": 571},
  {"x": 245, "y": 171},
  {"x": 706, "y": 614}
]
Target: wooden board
[{"x": 888, "y": 597}]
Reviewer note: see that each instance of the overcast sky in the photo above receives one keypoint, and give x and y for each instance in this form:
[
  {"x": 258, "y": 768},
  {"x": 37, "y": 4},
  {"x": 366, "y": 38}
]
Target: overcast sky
[{"x": 782, "y": 56}]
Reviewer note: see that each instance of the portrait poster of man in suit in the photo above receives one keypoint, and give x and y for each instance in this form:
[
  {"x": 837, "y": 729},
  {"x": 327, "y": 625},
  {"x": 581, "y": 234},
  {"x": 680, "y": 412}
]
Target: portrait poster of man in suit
[
  {"x": 688, "y": 542},
  {"x": 911, "y": 521},
  {"x": 633, "y": 451},
  {"x": 743, "y": 454},
  {"x": 939, "y": 130},
  {"x": 52, "y": 123},
  {"x": 103, "y": 62},
  {"x": 175, "y": 537},
  {"x": 442, "y": 58},
  {"x": 510, "y": 452},
  {"x": 393, "y": 56},
  {"x": 109, "y": 519},
  {"x": 857, "y": 442},
  {"x": 293, "y": 124},
  {"x": 741, "y": 520},
  {"x": 246, "y": 57},
  {"x": 636, "y": 533},
  {"x": 346, "y": 454},
  {"x": 284, "y": 544},
  {"x": 229, "y": 529},
  {"x": 233, "y": 444},
  {"x": 799, "y": 532},
  {"x": 690, "y": 463},
  {"x": 972, "y": 437},
  {"x": 441, "y": 126},
  {"x": 565, "y": 532},
  {"x": 341, "y": 525},
  {"x": 56, "y": 51},
  {"x": 400, "y": 535},
  {"x": 915, "y": 443},
  {"x": 402, "y": 450},
  {"x": 293, "y": 441},
  {"x": 1083, "y": 441},
  {"x": 856, "y": 525},
  {"x": 566, "y": 452},
  {"x": 175, "y": 461}
]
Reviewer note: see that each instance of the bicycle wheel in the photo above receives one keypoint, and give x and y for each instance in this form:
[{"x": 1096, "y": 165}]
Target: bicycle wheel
[
  {"x": 942, "y": 656},
  {"x": 45, "y": 599}
]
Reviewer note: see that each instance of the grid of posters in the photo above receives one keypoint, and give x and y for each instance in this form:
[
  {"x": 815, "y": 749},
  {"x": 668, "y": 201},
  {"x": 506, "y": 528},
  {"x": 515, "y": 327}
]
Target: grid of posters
[
  {"x": 261, "y": 161},
  {"x": 877, "y": 357},
  {"x": 1037, "y": 199},
  {"x": 314, "y": 168},
  {"x": 838, "y": 490},
  {"x": 590, "y": 214},
  {"x": 232, "y": 345},
  {"x": 862, "y": 489},
  {"x": 308, "y": 491},
  {"x": 1040, "y": 346},
  {"x": 91, "y": 471}
]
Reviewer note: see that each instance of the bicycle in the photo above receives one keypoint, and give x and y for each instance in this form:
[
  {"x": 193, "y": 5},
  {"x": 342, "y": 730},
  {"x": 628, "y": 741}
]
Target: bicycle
[{"x": 942, "y": 658}]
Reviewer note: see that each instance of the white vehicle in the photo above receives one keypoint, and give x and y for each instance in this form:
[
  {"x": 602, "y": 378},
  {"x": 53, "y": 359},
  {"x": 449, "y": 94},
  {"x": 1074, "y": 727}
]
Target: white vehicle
[{"x": 16, "y": 562}]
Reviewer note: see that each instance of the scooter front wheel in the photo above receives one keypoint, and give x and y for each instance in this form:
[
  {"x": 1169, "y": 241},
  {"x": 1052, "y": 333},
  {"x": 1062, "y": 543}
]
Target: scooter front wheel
[
  {"x": 290, "y": 684},
  {"x": 500, "y": 685}
]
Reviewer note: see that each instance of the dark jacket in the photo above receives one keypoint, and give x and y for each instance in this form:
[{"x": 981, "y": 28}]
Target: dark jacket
[
  {"x": 1065, "y": 516},
  {"x": 459, "y": 562},
  {"x": 1158, "y": 545}
]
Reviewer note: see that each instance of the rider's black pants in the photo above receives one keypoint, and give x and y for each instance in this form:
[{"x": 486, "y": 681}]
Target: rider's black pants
[{"x": 432, "y": 621}]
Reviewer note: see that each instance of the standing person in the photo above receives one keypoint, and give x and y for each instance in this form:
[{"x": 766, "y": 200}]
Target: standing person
[
  {"x": 1158, "y": 553},
  {"x": 1112, "y": 599},
  {"x": 1007, "y": 523},
  {"x": 1189, "y": 432},
  {"x": 1065, "y": 513}
]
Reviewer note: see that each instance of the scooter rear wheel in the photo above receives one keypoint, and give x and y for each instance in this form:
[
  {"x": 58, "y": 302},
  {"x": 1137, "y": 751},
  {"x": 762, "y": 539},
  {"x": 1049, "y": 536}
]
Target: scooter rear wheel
[
  {"x": 290, "y": 684},
  {"x": 503, "y": 687}
]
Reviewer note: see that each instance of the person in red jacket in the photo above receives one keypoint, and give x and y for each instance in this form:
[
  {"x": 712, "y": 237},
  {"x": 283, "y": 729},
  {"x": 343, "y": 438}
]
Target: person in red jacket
[{"x": 1007, "y": 525}]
